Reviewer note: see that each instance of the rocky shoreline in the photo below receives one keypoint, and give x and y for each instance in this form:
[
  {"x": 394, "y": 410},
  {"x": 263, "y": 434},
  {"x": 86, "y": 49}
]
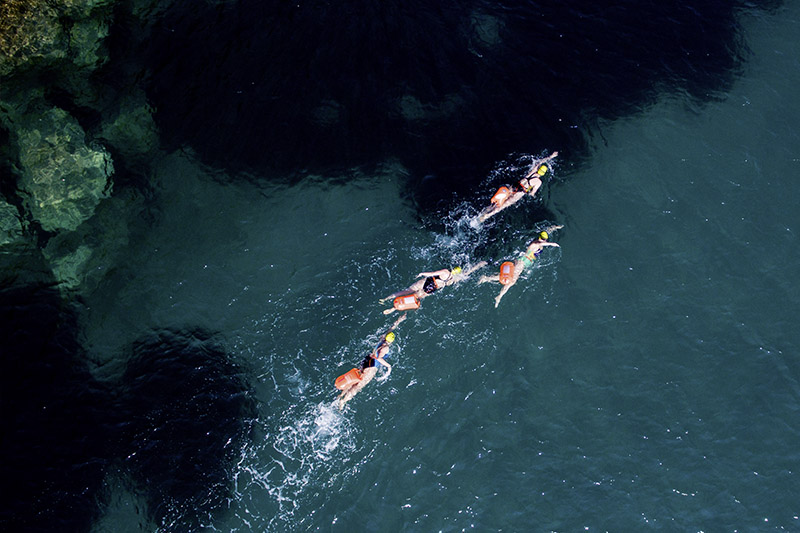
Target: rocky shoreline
[{"x": 58, "y": 163}]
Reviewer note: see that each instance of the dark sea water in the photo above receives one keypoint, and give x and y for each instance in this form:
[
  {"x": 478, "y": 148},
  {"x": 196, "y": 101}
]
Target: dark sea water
[{"x": 316, "y": 157}]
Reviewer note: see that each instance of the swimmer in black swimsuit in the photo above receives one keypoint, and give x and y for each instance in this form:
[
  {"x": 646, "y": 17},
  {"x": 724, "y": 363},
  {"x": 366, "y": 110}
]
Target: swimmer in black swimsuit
[
  {"x": 429, "y": 287},
  {"x": 528, "y": 185},
  {"x": 433, "y": 282},
  {"x": 371, "y": 364}
]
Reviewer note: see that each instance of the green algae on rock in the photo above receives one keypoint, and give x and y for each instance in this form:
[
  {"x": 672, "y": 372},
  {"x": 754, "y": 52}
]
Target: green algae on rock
[
  {"x": 80, "y": 259},
  {"x": 61, "y": 178},
  {"x": 10, "y": 224},
  {"x": 132, "y": 132},
  {"x": 40, "y": 34}
]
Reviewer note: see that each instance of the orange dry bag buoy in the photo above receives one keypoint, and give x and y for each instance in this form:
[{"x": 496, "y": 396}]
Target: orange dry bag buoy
[
  {"x": 346, "y": 380},
  {"x": 506, "y": 272},
  {"x": 404, "y": 303},
  {"x": 501, "y": 195}
]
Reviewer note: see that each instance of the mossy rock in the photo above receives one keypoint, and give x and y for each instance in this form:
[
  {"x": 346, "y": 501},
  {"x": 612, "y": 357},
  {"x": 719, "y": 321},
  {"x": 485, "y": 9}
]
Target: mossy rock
[
  {"x": 81, "y": 259},
  {"x": 30, "y": 33},
  {"x": 10, "y": 224},
  {"x": 62, "y": 179},
  {"x": 132, "y": 132}
]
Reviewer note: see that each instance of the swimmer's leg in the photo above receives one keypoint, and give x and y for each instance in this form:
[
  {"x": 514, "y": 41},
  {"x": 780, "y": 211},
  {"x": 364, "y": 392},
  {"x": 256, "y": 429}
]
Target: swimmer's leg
[
  {"x": 484, "y": 279},
  {"x": 487, "y": 213},
  {"x": 405, "y": 292},
  {"x": 503, "y": 291},
  {"x": 366, "y": 376}
]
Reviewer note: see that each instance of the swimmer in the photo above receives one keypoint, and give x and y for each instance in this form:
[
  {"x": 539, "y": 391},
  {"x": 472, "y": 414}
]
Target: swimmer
[
  {"x": 508, "y": 196},
  {"x": 432, "y": 281},
  {"x": 356, "y": 379},
  {"x": 510, "y": 272}
]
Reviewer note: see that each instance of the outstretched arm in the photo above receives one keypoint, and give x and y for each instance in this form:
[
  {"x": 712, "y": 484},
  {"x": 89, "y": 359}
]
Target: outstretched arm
[
  {"x": 470, "y": 269},
  {"x": 465, "y": 272},
  {"x": 551, "y": 229},
  {"x": 397, "y": 322},
  {"x": 441, "y": 272},
  {"x": 539, "y": 162},
  {"x": 549, "y": 158}
]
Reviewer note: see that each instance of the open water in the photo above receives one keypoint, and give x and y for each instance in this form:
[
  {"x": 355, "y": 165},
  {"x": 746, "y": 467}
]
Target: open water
[{"x": 644, "y": 376}]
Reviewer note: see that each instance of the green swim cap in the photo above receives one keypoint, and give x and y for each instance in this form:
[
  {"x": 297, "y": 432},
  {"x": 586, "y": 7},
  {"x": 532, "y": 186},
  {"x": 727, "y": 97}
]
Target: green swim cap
[
  {"x": 456, "y": 270},
  {"x": 390, "y": 337},
  {"x": 542, "y": 170},
  {"x": 544, "y": 236}
]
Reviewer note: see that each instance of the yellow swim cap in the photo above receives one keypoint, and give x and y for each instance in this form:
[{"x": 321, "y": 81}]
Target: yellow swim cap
[
  {"x": 542, "y": 170},
  {"x": 390, "y": 337},
  {"x": 544, "y": 236},
  {"x": 456, "y": 270}
]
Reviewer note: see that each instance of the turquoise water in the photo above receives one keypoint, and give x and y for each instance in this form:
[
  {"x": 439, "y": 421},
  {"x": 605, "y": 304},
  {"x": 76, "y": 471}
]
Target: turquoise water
[{"x": 643, "y": 376}]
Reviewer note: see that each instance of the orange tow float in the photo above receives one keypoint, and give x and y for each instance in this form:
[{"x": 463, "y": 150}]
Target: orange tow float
[
  {"x": 407, "y": 302},
  {"x": 506, "y": 272},
  {"x": 347, "y": 379}
]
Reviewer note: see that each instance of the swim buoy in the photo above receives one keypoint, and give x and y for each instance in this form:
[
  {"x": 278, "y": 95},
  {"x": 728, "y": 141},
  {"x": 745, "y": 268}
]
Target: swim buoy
[
  {"x": 506, "y": 272},
  {"x": 346, "y": 380},
  {"x": 501, "y": 195},
  {"x": 404, "y": 303}
]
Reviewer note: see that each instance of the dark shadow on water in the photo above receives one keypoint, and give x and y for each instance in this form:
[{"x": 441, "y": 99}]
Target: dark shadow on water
[
  {"x": 56, "y": 420},
  {"x": 447, "y": 87},
  {"x": 187, "y": 413},
  {"x": 176, "y": 421}
]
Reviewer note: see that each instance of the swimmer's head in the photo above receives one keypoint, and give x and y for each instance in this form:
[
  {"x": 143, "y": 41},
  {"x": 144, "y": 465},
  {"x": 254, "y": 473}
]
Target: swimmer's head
[
  {"x": 456, "y": 271},
  {"x": 543, "y": 235},
  {"x": 542, "y": 170},
  {"x": 390, "y": 337}
]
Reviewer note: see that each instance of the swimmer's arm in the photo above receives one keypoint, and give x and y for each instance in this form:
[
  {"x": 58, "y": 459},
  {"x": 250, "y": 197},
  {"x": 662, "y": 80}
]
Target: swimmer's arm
[
  {"x": 388, "y": 368},
  {"x": 539, "y": 162},
  {"x": 473, "y": 268},
  {"x": 551, "y": 229},
  {"x": 550, "y": 157},
  {"x": 550, "y": 244},
  {"x": 441, "y": 272},
  {"x": 397, "y": 322}
]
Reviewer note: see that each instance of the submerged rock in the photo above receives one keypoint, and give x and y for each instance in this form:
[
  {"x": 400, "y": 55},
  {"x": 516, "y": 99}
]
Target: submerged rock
[
  {"x": 486, "y": 29},
  {"x": 10, "y": 224},
  {"x": 132, "y": 132},
  {"x": 80, "y": 259},
  {"x": 61, "y": 178}
]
